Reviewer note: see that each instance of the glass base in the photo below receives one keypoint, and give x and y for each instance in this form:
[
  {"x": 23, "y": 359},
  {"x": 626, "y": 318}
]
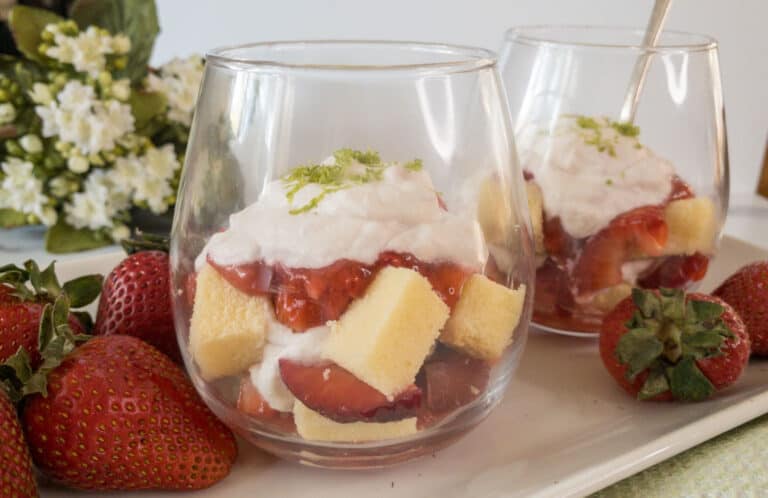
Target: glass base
[
  {"x": 357, "y": 456},
  {"x": 571, "y": 333}
]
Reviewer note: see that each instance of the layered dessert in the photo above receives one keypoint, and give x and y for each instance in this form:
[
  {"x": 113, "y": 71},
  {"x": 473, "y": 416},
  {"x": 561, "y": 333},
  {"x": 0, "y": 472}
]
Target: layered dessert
[
  {"x": 608, "y": 214},
  {"x": 350, "y": 303}
]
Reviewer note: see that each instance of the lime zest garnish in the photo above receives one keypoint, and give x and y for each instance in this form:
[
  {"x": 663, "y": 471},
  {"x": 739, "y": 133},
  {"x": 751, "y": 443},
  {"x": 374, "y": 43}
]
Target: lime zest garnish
[
  {"x": 593, "y": 133},
  {"x": 352, "y": 167}
]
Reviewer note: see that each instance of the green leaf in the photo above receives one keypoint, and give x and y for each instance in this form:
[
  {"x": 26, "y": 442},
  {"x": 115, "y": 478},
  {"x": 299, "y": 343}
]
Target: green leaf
[
  {"x": 647, "y": 302},
  {"x": 85, "y": 319},
  {"x": 638, "y": 349},
  {"x": 135, "y": 18},
  {"x": 45, "y": 330},
  {"x": 672, "y": 303},
  {"x": 82, "y": 291},
  {"x": 655, "y": 384},
  {"x": 687, "y": 383},
  {"x": 20, "y": 364},
  {"x": 48, "y": 281},
  {"x": 10, "y": 218},
  {"x": 146, "y": 106},
  {"x": 703, "y": 343},
  {"x": 706, "y": 311},
  {"x": 27, "y": 25},
  {"x": 63, "y": 238}
]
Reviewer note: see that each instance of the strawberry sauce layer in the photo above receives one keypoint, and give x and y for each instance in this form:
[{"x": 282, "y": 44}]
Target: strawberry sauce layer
[
  {"x": 309, "y": 297},
  {"x": 577, "y": 268}
]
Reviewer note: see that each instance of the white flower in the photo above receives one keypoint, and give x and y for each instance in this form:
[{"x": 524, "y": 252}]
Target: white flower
[
  {"x": 48, "y": 216},
  {"x": 126, "y": 173},
  {"x": 179, "y": 80},
  {"x": 77, "y": 117},
  {"x": 86, "y": 52},
  {"x": 121, "y": 89},
  {"x": 78, "y": 164},
  {"x": 120, "y": 232},
  {"x": 7, "y": 113},
  {"x": 20, "y": 190},
  {"x": 31, "y": 143},
  {"x": 161, "y": 162},
  {"x": 98, "y": 203},
  {"x": 121, "y": 44},
  {"x": 154, "y": 192},
  {"x": 40, "y": 94},
  {"x": 59, "y": 186}
]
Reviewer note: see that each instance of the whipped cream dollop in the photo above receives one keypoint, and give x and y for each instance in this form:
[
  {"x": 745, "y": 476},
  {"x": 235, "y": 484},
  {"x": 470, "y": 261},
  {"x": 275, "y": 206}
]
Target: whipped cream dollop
[
  {"x": 282, "y": 342},
  {"x": 590, "y": 170},
  {"x": 399, "y": 212}
]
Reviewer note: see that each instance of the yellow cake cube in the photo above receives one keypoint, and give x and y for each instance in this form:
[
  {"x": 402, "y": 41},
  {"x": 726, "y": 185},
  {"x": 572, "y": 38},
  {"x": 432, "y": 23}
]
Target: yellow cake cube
[
  {"x": 384, "y": 337},
  {"x": 536, "y": 208},
  {"x": 228, "y": 327},
  {"x": 494, "y": 212},
  {"x": 692, "y": 225},
  {"x": 607, "y": 299},
  {"x": 314, "y": 427},
  {"x": 484, "y": 319}
]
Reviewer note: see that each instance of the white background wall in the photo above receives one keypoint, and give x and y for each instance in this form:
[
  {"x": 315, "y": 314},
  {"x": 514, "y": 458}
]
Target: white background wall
[{"x": 741, "y": 26}]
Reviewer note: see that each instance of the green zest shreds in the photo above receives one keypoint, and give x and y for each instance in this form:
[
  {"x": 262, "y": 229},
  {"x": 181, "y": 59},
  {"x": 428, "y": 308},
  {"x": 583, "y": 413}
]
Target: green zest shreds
[
  {"x": 593, "y": 133},
  {"x": 352, "y": 167}
]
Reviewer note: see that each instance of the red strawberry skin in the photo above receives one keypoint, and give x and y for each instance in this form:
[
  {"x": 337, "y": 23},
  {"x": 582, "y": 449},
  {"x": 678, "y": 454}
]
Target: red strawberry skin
[
  {"x": 337, "y": 394},
  {"x": 136, "y": 301},
  {"x": 16, "y": 477},
  {"x": 747, "y": 291},
  {"x": 722, "y": 370},
  {"x": 120, "y": 415},
  {"x": 19, "y": 324}
]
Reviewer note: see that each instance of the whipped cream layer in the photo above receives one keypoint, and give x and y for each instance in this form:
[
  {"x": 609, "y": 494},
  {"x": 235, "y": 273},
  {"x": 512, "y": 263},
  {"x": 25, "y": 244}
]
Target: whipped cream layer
[
  {"x": 590, "y": 174},
  {"x": 398, "y": 213}
]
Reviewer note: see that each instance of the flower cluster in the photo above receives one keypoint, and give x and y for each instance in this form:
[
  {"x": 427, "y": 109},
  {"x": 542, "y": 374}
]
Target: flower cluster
[{"x": 80, "y": 148}]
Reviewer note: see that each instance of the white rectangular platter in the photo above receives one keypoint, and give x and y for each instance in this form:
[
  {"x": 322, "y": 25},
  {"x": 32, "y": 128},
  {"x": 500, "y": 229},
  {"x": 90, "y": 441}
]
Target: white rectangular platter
[{"x": 563, "y": 429}]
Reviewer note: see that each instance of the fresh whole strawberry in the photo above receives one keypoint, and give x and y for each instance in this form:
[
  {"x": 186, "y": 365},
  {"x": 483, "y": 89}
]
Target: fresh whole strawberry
[
  {"x": 664, "y": 345},
  {"x": 136, "y": 297},
  {"x": 28, "y": 295},
  {"x": 16, "y": 478},
  {"x": 118, "y": 415},
  {"x": 747, "y": 291}
]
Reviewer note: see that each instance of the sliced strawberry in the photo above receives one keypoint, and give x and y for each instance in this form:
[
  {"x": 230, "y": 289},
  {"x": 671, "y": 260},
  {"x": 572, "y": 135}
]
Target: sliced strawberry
[
  {"x": 447, "y": 279},
  {"x": 453, "y": 379},
  {"x": 680, "y": 190},
  {"x": 557, "y": 242},
  {"x": 251, "y": 402},
  {"x": 337, "y": 394},
  {"x": 675, "y": 271},
  {"x": 252, "y": 278},
  {"x": 640, "y": 232}
]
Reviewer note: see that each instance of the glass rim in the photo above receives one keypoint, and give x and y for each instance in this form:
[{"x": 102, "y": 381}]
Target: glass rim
[
  {"x": 540, "y": 35},
  {"x": 468, "y": 59}
]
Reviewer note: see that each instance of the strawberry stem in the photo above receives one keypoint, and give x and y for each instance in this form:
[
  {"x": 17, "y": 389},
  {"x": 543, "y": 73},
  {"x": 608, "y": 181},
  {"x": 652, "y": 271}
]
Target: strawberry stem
[
  {"x": 145, "y": 242},
  {"x": 666, "y": 335},
  {"x": 56, "y": 338}
]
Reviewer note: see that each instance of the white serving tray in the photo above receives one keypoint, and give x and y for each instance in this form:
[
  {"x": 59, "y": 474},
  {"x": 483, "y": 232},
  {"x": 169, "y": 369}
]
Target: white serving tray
[{"x": 564, "y": 428}]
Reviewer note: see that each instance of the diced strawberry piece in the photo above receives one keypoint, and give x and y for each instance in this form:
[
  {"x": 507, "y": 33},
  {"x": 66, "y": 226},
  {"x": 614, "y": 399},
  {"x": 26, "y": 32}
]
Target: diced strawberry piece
[
  {"x": 337, "y": 394},
  {"x": 252, "y": 278},
  {"x": 441, "y": 202},
  {"x": 680, "y": 190},
  {"x": 557, "y": 242},
  {"x": 252, "y": 403},
  {"x": 452, "y": 380},
  {"x": 640, "y": 232},
  {"x": 295, "y": 310},
  {"x": 447, "y": 279},
  {"x": 675, "y": 271},
  {"x": 527, "y": 175}
]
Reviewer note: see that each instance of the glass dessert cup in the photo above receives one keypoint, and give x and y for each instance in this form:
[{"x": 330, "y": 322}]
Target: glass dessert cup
[
  {"x": 351, "y": 252},
  {"x": 616, "y": 204}
]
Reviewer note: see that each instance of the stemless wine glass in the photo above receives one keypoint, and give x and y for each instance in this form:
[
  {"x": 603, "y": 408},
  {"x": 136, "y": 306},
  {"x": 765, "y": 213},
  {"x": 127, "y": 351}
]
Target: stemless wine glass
[
  {"x": 615, "y": 203},
  {"x": 351, "y": 250}
]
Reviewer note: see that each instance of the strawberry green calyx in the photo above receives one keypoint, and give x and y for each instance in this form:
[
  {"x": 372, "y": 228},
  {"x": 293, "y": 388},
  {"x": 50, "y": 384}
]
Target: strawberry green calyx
[
  {"x": 145, "y": 242},
  {"x": 666, "y": 335},
  {"x": 56, "y": 337}
]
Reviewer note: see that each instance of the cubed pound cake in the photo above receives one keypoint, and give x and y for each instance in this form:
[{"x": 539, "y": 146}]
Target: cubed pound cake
[
  {"x": 484, "y": 319},
  {"x": 228, "y": 327},
  {"x": 314, "y": 427},
  {"x": 692, "y": 225},
  {"x": 384, "y": 337}
]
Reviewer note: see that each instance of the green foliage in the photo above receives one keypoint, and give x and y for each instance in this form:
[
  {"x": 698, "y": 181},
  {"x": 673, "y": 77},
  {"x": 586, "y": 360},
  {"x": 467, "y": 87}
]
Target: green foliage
[
  {"x": 135, "y": 18},
  {"x": 63, "y": 238},
  {"x": 27, "y": 24}
]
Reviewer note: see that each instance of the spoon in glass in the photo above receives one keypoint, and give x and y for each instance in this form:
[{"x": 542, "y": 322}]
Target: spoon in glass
[{"x": 652, "y": 32}]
